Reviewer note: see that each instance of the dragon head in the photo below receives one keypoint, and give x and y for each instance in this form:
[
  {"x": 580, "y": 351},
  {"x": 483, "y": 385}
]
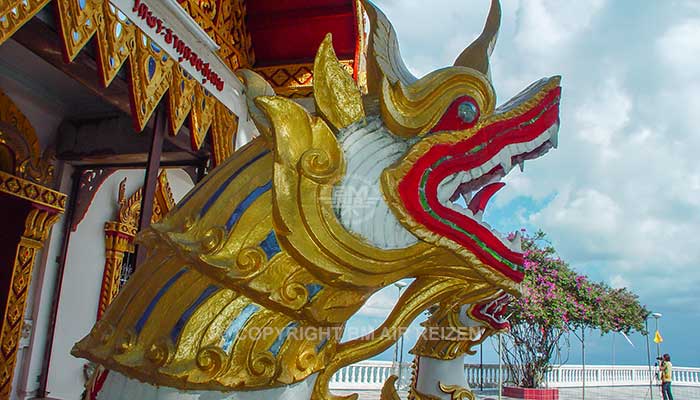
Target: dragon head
[
  {"x": 421, "y": 157},
  {"x": 444, "y": 147}
]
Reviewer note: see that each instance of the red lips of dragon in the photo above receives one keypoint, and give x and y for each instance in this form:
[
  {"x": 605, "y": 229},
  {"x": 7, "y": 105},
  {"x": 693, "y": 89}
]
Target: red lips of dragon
[{"x": 524, "y": 128}]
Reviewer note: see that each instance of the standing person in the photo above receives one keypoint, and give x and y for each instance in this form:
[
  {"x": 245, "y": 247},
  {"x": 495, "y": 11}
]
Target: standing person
[{"x": 665, "y": 369}]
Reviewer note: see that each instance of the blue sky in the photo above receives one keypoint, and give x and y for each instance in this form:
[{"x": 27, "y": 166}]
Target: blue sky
[{"x": 620, "y": 197}]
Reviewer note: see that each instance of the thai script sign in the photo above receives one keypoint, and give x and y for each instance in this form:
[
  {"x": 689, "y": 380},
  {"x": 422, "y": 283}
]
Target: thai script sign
[{"x": 169, "y": 26}]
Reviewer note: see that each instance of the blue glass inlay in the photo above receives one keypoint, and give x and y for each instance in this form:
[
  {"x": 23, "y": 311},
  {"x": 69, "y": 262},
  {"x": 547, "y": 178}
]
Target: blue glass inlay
[
  {"x": 275, "y": 348},
  {"x": 147, "y": 313},
  {"x": 177, "y": 329},
  {"x": 155, "y": 47},
  {"x": 76, "y": 36},
  {"x": 151, "y": 67},
  {"x": 117, "y": 30},
  {"x": 243, "y": 205},
  {"x": 237, "y": 324},
  {"x": 223, "y": 187},
  {"x": 81, "y": 4},
  {"x": 313, "y": 289},
  {"x": 270, "y": 245}
]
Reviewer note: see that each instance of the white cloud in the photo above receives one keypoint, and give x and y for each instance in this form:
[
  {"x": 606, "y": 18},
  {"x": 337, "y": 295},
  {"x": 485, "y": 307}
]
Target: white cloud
[
  {"x": 547, "y": 26},
  {"x": 603, "y": 116},
  {"x": 679, "y": 48},
  {"x": 618, "y": 281}
]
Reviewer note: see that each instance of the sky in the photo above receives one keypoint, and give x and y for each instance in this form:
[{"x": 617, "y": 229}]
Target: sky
[{"x": 620, "y": 197}]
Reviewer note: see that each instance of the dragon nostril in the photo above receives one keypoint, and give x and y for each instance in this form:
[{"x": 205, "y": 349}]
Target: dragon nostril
[{"x": 467, "y": 112}]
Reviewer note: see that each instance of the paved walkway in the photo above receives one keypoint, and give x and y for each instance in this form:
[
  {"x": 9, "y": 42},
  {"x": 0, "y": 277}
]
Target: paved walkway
[{"x": 605, "y": 393}]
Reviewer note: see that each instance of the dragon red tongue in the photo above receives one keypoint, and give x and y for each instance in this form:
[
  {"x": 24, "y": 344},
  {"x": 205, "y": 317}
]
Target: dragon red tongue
[{"x": 482, "y": 197}]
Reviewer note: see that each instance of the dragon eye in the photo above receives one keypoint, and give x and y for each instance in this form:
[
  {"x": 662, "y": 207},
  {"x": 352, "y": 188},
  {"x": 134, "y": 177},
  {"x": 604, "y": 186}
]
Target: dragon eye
[
  {"x": 463, "y": 113},
  {"x": 467, "y": 112}
]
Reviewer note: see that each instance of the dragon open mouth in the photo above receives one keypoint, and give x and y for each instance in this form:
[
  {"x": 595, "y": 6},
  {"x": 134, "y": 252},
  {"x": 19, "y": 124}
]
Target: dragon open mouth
[
  {"x": 492, "y": 312},
  {"x": 451, "y": 183},
  {"x": 475, "y": 185}
]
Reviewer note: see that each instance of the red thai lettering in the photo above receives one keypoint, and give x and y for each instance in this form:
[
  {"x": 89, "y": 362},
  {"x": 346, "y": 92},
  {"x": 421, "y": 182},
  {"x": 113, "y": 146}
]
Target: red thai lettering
[
  {"x": 150, "y": 20},
  {"x": 168, "y": 36},
  {"x": 142, "y": 11}
]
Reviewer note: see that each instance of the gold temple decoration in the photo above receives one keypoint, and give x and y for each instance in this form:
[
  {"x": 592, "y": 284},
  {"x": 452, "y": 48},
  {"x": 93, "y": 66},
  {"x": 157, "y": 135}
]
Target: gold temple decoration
[
  {"x": 20, "y": 153},
  {"x": 119, "y": 234},
  {"x": 226, "y": 25},
  {"x": 14, "y": 14},
  {"x": 37, "y": 227},
  {"x": 294, "y": 80},
  {"x": 152, "y": 72},
  {"x": 23, "y": 174}
]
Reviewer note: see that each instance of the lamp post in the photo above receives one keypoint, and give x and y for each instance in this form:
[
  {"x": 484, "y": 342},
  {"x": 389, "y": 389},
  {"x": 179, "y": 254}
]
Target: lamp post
[
  {"x": 657, "y": 316},
  {"x": 651, "y": 374},
  {"x": 398, "y": 351}
]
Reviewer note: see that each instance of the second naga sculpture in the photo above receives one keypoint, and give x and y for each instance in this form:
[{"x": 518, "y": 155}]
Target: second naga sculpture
[{"x": 249, "y": 283}]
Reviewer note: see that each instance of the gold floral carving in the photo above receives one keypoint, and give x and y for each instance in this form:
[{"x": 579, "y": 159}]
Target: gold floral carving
[
  {"x": 226, "y": 25},
  {"x": 14, "y": 13},
  {"x": 294, "y": 80},
  {"x": 22, "y": 156},
  {"x": 37, "y": 227},
  {"x": 119, "y": 235},
  {"x": 27, "y": 190},
  {"x": 226, "y": 122}
]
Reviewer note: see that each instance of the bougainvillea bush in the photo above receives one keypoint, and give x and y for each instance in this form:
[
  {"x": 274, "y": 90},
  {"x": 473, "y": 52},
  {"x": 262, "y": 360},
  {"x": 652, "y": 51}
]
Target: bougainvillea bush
[{"x": 557, "y": 300}]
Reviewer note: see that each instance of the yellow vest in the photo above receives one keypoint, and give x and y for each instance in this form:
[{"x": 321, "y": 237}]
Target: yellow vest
[{"x": 666, "y": 371}]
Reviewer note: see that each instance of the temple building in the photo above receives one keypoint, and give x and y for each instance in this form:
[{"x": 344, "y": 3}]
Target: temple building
[{"x": 110, "y": 112}]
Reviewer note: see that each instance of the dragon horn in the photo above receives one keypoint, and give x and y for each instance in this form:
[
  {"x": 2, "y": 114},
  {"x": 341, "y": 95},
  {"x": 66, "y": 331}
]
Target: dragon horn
[
  {"x": 383, "y": 55},
  {"x": 476, "y": 56}
]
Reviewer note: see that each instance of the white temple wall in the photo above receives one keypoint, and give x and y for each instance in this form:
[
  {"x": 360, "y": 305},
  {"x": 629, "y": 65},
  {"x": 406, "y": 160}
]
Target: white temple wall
[{"x": 81, "y": 285}]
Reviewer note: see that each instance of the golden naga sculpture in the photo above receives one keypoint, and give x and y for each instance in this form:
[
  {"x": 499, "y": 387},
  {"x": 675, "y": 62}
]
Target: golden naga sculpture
[{"x": 250, "y": 281}]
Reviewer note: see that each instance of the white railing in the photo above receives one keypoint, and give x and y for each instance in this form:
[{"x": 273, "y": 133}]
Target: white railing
[
  {"x": 365, "y": 375},
  {"x": 617, "y": 375},
  {"x": 371, "y": 375}
]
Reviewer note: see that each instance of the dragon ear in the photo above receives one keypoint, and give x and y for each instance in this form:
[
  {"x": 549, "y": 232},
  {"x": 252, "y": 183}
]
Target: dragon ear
[
  {"x": 476, "y": 56},
  {"x": 256, "y": 86},
  {"x": 338, "y": 99}
]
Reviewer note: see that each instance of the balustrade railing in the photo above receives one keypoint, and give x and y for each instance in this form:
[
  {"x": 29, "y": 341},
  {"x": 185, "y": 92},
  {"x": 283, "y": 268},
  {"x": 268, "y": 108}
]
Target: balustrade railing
[{"x": 371, "y": 375}]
